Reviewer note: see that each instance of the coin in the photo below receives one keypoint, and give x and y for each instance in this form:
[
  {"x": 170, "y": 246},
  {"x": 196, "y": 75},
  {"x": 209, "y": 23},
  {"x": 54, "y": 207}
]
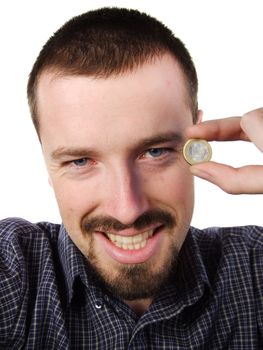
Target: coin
[{"x": 197, "y": 151}]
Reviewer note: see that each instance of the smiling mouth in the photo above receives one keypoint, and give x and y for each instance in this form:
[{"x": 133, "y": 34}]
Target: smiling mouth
[{"x": 135, "y": 242}]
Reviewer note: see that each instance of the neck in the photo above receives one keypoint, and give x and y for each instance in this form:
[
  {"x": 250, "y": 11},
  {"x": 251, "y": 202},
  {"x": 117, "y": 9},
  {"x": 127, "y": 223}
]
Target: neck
[{"x": 139, "y": 306}]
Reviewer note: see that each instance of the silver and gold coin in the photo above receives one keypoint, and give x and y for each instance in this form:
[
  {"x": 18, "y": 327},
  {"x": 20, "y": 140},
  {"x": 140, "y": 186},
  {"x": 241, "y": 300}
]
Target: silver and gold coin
[{"x": 197, "y": 151}]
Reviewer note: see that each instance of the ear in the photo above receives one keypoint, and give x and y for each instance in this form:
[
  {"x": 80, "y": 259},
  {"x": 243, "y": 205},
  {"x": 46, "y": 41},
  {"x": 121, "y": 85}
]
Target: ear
[{"x": 199, "y": 116}]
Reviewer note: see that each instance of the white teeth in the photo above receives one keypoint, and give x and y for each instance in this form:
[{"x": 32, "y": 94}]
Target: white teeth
[
  {"x": 143, "y": 244},
  {"x": 130, "y": 242},
  {"x": 118, "y": 244}
]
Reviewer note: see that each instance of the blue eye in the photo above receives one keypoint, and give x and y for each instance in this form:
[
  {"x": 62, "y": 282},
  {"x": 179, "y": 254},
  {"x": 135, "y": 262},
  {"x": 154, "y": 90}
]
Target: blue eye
[
  {"x": 80, "y": 162},
  {"x": 156, "y": 152}
]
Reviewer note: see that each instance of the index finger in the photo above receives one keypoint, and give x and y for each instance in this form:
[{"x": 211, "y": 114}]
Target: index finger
[{"x": 227, "y": 129}]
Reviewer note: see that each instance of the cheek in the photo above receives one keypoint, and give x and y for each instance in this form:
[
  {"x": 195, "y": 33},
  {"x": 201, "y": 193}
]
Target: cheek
[
  {"x": 177, "y": 195},
  {"x": 74, "y": 200},
  {"x": 173, "y": 187}
]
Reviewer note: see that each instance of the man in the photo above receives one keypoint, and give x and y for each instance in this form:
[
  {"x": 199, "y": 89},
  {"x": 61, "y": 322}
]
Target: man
[{"x": 113, "y": 97}]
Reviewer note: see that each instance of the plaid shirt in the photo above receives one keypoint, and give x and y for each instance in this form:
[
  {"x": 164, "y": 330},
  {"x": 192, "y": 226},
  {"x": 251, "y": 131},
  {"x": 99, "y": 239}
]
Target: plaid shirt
[{"x": 48, "y": 299}]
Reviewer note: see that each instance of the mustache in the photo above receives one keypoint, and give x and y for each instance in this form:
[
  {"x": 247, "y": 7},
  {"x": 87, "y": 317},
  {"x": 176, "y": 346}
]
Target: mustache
[{"x": 108, "y": 223}]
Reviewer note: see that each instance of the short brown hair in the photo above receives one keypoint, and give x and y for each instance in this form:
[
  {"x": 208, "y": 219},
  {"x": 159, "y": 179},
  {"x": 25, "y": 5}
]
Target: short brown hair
[{"x": 109, "y": 41}]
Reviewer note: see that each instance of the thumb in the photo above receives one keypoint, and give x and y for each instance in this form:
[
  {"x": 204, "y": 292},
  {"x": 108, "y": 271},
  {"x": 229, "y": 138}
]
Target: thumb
[{"x": 247, "y": 179}]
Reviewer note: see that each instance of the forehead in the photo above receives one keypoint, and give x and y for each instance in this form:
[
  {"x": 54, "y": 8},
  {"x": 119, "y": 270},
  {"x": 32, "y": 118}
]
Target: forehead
[{"x": 135, "y": 102}]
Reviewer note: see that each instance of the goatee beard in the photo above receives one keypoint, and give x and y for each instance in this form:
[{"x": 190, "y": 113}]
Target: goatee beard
[
  {"x": 132, "y": 281},
  {"x": 135, "y": 281}
]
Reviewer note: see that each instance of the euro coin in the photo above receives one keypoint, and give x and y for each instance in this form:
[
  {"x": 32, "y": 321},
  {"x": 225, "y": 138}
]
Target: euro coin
[{"x": 197, "y": 151}]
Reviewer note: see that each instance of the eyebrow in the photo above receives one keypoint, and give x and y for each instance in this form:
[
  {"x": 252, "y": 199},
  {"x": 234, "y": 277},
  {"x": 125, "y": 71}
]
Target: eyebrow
[
  {"x": 175, "y": 137},
  {"x": 64, "y": 152}
]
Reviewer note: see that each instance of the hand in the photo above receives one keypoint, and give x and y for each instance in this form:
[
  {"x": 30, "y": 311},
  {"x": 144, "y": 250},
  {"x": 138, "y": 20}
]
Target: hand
[{"x": 247, "y": 179}]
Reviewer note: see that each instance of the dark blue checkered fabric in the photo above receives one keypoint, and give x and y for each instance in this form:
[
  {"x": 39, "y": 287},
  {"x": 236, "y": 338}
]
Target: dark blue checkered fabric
[{"x": 49, "y": 300}]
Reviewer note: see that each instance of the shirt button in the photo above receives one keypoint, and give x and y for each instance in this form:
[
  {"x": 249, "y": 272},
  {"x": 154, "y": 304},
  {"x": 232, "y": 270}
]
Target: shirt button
[{"x": 98, "y": 304}]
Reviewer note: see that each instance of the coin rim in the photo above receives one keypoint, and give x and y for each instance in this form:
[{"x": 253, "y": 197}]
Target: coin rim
[{"x": 190, "y": 160}]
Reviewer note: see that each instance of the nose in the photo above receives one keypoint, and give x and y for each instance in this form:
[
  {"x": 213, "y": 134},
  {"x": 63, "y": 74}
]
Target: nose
[{"x": 124, "y": 197}]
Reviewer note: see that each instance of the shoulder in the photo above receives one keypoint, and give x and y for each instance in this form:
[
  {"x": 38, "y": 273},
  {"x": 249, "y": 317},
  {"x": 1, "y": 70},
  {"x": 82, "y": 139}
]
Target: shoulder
[
  {"x": 18, "y": 235},
  {"x": 17, "y": 227},
  {"x": 230, "y": 248},
  {"x": 232, "y": 258},
  {"x": 25, "y": 250},
  {"x": 21, "y": 240},
  {"x": 247, "y": 237},
  {"x": 24, "y": 246}
]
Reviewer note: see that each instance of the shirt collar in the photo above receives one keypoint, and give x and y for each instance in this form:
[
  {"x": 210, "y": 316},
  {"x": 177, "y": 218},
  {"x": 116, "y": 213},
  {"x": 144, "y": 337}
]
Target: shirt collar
[
  {"x": 189, "y": 285},
  {"x": 191, "y": 271},
  {"x": 72, "y": 262}
]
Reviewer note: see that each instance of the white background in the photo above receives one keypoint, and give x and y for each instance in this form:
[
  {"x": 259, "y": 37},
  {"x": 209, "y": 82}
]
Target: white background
[{"x": 225, "y": 40}]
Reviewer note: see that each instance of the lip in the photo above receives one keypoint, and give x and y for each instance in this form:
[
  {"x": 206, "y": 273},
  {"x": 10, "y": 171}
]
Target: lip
[
  {"x": 133, "y": 256},
  {"x": 131, "y": 231}
]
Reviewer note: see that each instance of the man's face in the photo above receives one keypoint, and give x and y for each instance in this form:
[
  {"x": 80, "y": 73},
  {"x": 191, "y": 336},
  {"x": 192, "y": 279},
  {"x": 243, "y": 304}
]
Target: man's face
[{"x": 113, "y": 149}]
